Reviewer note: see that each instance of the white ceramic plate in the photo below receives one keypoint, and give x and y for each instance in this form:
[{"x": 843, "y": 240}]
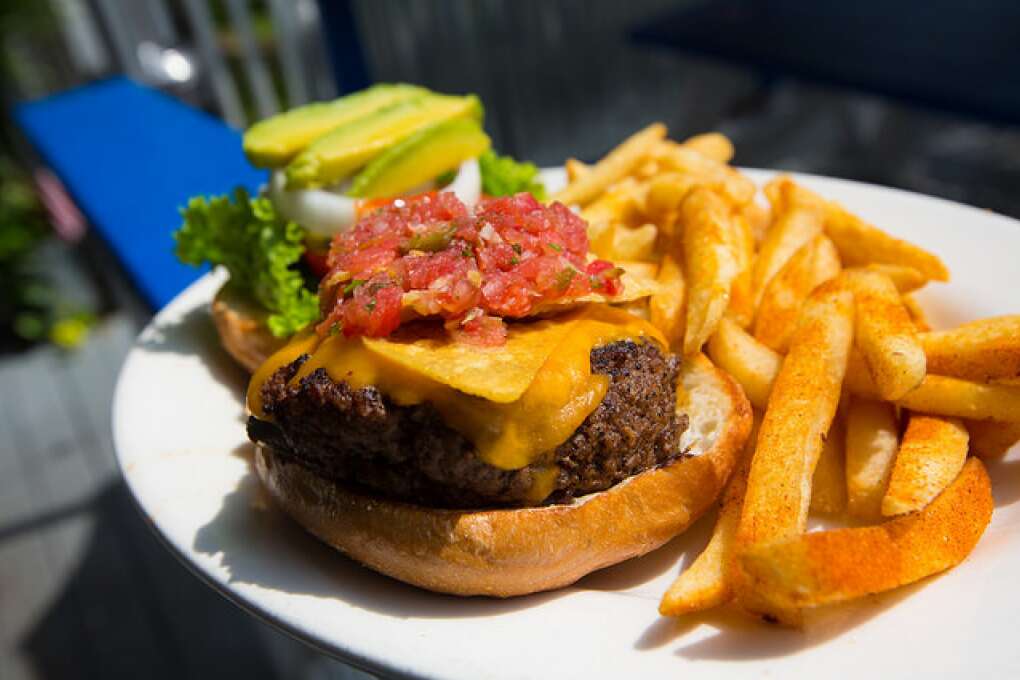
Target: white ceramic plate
[{"x": 180, "y": 438}]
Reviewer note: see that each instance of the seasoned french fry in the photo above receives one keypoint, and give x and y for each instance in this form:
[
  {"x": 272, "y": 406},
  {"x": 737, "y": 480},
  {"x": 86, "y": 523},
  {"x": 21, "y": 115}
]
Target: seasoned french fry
[
  {"x": 828, "y": 485},
  {"x": 665, "y": 193},
  {"x": 813, "y": 264},
  {"x": 620, "y": 204},
  {"x": 737, "y": 188},
  {"x": 715, "y": 145},
  {"x": 614, "y": 166},
  {"x": 983, "y": 350},
  {"x": 990, "y": 439},
  {"x": 872, "y": 435},
  {"x": 741, "y": 307},
  {"x": 858, "y": 378},
  {"x": 885, "y": 334},
  {"x": 784, "y": 194},
  {"x": 576, "y": 169},
  {"x": 860, "y": 243},
  {"x": 667, "y": 308},
  {"x": 831, "y": 566},
  {"x": 930, "y": 457},
  {"x": 633, "y": 243},
  {"x": 906, "y": 279},
  {"x": 945, "y": 396},
  {"x": 706, "y": 583},
  {"x": 916, "y": 313},
  {"x": 790, "y": 231},
  {"x": 799, "y": 414},
  {"x": 751, "y": 363},
  {"x": 709, "y": 263},
  {"x": 759, "y": 218}
]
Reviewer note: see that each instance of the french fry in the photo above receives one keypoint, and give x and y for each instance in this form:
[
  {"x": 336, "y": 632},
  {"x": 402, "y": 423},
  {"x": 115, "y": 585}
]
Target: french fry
[
  {"x": 916, "y": 313},
  {"x": 709, "y": 172},
  {"x": 813, "y": 264},
  {"x": 633, "y": 243},
  {"x": 715, "y": 145},
  {"x": 576, "y": 169},
  {"x": 784, "y": 194},
  {"x": 832, "y": 566},
  {"x": 828, "y": 485},
  {"x": 799, "y": 414},
  {"x": 991, "y": 439},
  {"x": 983, "y": 350},
  {"x": 753, "y": 365},
  {"x": 860, "y": 243},
  {"x": 790, "y": 231},
  {"x": 906, "y": 279},
  {"x": 709, "y": 263},
  {"x": 930, "y": 457},
  {"x": 945, "y": 396},
  {"x": 885, "y": 334},
  {"x": 858, "y": 378},
  {"x": 741, "y": 307},
  {"x": 706, "y": 583},
  {"x": 620, "y": 204},
  {"x": 872, "y": 435},
  {"x": 614, "y": 166},
  {"x": 759, "y": 218},
  {"x": 667, "y": 308}
]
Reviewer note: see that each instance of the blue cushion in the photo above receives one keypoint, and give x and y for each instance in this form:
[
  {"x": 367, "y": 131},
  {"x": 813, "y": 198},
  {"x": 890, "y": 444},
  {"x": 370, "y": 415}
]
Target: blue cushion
[{"x": 131, "y": 157}]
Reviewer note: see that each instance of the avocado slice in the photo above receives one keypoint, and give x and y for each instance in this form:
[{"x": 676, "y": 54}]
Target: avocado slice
[
  {"x": 334, "y": 156},
  {"x": 273, "y": 142},
  {"x": 423, "y": 156}
]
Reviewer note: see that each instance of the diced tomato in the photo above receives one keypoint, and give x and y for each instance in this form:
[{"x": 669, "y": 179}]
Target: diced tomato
[{"x": 511, "y": 255}]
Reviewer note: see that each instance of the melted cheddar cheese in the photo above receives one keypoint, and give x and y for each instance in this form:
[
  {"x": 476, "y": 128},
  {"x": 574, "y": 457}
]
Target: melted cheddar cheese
[{"x": 553, "y": 387}]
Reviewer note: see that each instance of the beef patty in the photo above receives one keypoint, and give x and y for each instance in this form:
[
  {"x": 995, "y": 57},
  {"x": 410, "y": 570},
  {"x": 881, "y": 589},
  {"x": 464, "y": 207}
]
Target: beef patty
[{"x": 361, "y": 438}]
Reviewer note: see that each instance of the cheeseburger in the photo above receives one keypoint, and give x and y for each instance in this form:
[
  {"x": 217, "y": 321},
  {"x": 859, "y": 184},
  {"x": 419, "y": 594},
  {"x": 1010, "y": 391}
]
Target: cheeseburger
[{"x": 473, "y": 412}]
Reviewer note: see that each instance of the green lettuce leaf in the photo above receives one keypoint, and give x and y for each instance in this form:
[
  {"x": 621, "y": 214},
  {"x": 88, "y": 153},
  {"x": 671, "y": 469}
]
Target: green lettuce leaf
[
  {"x": 503, "y": 176},
  {"x": 258, "y": 248}
]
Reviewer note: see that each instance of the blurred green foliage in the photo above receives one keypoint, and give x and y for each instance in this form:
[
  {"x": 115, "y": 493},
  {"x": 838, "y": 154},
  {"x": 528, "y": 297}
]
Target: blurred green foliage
[{"x": 31, "y": 310}]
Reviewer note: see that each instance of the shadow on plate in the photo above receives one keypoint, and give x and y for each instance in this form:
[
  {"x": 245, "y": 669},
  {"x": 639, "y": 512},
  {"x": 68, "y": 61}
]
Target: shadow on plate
[
  {"x": 1005, "y": 475},
  {"x": 738, "y": 636},
  {"x": 194, "y": 335},
  {"x": 259, "y": 545}
]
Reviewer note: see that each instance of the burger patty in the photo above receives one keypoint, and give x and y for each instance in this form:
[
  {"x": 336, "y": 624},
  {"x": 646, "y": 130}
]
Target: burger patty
[{"x": 407, "y": 453}]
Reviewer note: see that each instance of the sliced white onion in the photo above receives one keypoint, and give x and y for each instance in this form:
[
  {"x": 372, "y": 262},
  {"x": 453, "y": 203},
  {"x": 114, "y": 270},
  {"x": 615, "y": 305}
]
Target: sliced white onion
[
  {"x": 328, "y": 211},
  {"x": 321, "y": 211},
  {"x": 468, "y": 183}
]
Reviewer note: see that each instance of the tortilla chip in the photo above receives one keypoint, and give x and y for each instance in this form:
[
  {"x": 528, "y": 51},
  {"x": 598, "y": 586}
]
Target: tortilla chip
[
  {"x": 638, "y": 282},
  {"x": 498, "y": 374}
]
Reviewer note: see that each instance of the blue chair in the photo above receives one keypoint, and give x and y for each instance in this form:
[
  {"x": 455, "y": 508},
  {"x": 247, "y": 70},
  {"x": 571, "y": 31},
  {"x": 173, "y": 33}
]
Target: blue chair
[{"x": 130, "y": 157}]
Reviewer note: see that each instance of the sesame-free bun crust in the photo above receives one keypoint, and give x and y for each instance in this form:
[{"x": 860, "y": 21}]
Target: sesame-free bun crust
[
  {"x": 242, "y": 328},
  {"x": 509, "y": 552}
]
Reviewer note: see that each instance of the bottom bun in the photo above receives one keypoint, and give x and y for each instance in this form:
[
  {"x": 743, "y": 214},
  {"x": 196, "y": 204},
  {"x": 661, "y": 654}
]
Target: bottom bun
[
  {"x": 242, "y": 328},
  {"x": 509, "y": 552}
]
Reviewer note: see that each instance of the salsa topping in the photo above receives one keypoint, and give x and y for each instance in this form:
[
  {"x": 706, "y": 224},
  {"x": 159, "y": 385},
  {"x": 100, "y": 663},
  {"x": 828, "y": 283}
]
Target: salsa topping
[{"x": 433, "y": 256}]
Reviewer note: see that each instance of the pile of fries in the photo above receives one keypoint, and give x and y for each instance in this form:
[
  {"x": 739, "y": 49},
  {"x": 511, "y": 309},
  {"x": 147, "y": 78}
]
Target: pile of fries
[{"x": 863, "y": 413}]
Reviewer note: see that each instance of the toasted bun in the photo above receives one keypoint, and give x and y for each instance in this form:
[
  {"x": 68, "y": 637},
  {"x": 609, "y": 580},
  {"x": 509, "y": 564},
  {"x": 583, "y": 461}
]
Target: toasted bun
[
  {"x": 510, "y": 552},
  {"x": 242, "y": 328}
]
